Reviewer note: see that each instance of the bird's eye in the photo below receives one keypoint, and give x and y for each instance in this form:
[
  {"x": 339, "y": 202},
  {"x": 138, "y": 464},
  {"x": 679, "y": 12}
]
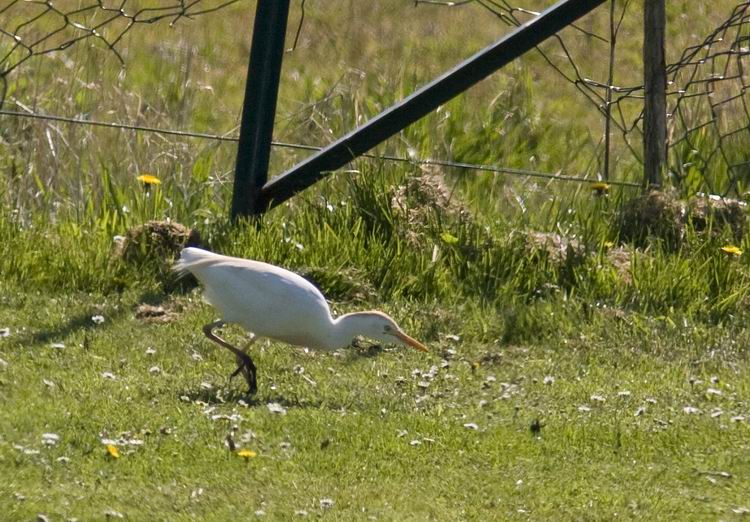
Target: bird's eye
[{"x": 387, "y": 328}]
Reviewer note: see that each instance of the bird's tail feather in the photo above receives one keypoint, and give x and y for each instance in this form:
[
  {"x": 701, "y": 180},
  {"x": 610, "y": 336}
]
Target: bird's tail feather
[{"x": 192, "y": 258}]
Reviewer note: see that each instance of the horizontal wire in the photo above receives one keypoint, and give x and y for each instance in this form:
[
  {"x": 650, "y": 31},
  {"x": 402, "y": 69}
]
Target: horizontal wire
[
  {"x": 684, "y": 73},
  {"x": 299, "y": 146}
]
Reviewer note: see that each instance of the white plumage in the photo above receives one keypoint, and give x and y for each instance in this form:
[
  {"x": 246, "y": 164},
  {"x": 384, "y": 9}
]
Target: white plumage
[{"x": 275, "y": 303}]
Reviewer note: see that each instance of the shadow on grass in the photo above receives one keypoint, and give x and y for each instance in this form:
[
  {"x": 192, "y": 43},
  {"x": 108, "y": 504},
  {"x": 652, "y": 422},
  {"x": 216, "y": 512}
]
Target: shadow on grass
[
  {"x": 364, "y": 350},
  {"x": 216, "y": 396},
  {"x": 76, "y": 323},
  {"x": 83, "y": 321}
]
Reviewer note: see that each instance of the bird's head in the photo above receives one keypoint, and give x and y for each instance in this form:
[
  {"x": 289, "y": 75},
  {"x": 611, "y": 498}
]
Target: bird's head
[{"x": 379, "y": 326}]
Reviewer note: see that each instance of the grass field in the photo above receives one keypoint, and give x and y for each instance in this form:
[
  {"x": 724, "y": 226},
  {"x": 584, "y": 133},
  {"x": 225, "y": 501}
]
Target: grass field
[
  {"x": 639, "y": 420},
  {"x": 577, "y": 371}
]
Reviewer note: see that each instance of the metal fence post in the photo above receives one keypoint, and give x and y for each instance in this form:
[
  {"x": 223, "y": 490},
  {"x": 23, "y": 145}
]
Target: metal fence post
[
  {"x": 423, "y": 100},
  {"x": 259, "y": 109},
  {"x": 608, "y": 95},
  {"x": 655, "y": 97}
]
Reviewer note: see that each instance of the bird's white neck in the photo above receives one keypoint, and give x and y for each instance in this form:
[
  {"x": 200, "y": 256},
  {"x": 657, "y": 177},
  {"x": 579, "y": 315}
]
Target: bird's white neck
[{"x": 345, "y": 328}]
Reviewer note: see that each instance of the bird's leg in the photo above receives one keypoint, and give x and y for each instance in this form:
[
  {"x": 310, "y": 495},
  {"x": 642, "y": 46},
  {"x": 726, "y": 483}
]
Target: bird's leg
[
  {"x": 250, "y": 342},
  {"x": 246, "y": 366}
]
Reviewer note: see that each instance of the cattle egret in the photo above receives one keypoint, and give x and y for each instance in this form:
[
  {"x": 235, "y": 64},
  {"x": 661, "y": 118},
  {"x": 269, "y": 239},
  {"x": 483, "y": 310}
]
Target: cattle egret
[{"x": 269, "y": 301}]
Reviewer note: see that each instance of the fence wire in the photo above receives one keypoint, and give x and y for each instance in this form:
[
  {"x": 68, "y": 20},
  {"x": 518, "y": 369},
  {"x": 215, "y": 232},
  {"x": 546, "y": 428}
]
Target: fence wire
[
  {"x": 46, "y": 26},
  {"x": 708, "y": 117},
  {"x": 708, "y": 106}
]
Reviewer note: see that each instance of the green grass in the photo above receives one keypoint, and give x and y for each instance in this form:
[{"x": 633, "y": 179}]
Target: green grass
[
  {"x": 349, "y": 436},
  {"x": 516, "y": 336},
  {"x": 636, "y": 370}
]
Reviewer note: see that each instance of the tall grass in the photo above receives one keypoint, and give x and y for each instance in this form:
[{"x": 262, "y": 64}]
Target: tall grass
[
  {"x": 71, "y": 189},
  {"x": 191, "y": 76},
  {"x": 352, "y": 227}
]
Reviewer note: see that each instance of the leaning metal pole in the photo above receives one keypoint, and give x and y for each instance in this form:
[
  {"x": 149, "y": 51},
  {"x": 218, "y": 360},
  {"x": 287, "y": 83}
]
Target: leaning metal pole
[{"x": 423, "y": 101}]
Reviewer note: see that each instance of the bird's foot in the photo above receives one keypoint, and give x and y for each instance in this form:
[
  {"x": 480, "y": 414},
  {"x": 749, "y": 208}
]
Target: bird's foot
[{"x": 247, "y": 369}]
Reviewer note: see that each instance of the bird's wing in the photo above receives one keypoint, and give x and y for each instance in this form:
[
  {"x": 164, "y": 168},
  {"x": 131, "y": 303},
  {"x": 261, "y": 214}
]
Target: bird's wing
[{"x": 265, "y": 299}]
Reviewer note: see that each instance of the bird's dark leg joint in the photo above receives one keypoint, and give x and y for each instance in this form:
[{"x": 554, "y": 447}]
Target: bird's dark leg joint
[
  {"x": 236, "y": 372},
  {"x": 248, "y": 370},
  {"x": 209, "y": 328},
  {"x": 246, "y": 365}
]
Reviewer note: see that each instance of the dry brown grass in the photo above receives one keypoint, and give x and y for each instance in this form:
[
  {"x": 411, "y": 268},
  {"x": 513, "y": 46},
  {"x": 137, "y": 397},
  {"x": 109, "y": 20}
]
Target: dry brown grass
[{"x": 662, "y": 215}]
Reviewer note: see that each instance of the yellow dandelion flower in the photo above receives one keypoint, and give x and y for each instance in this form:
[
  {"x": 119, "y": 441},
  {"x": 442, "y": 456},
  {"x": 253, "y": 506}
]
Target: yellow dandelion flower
[
  {"x": 149, "y": 179},
  {"x": 247, "y": 454},
  {"x": 731, "y": 250},
  {"x": 113, "y": 452},
  {"x": 608, "y": 244},
  {"x": 600, "y": 188}
]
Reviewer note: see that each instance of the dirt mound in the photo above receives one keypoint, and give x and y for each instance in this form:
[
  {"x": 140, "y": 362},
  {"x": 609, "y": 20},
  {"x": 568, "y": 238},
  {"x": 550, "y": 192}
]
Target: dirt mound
[
  {"x": 423, "y": 202},
  {"x": 152, "y": 248},
  {"x": 715, "y": 213},
  {"x": 154, "y": 314},
  {"x": 154, "y": 240},
  {"x": 661, "y": 215},
  {"x": 554, "y": 247},
  {"x": 656, "y": 214},
  {"x": 620, "y": 259}
]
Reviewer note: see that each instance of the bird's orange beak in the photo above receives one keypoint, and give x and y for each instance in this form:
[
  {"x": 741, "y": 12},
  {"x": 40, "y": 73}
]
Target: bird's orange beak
[{"x": 411, "y": 342}]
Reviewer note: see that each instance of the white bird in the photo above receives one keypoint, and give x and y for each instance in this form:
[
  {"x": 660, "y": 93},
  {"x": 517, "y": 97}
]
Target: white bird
[{"x": 269, "y": 301}]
